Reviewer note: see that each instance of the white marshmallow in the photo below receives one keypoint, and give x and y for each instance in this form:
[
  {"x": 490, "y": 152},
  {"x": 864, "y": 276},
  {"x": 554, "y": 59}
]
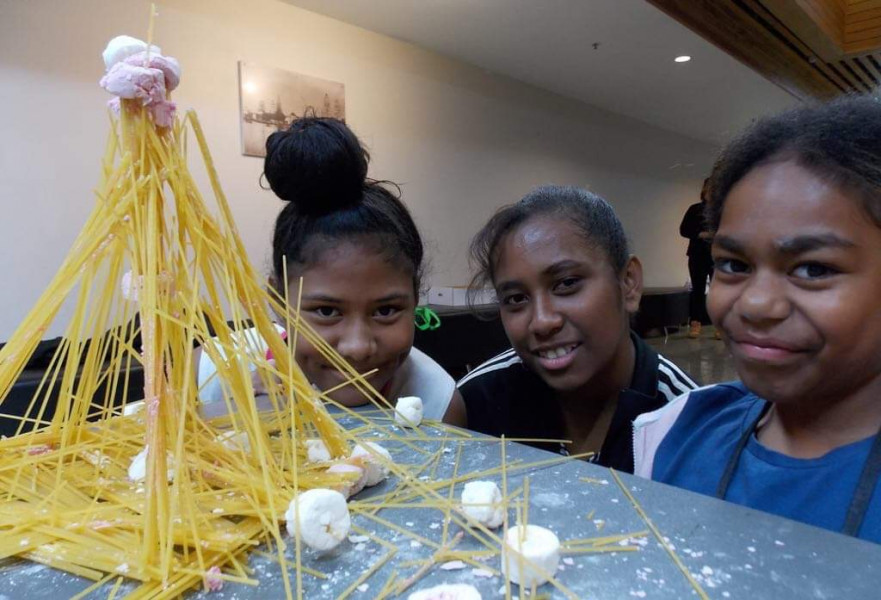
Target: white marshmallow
[
  {"x": 123, "y": 46},
  {"x": 447, "y": 591},
  {"x": 408, "y": 411},
  {"x": 137, "y": 470},
  {"x": 235, "y": 440},
  {"x": 482, "y": 501},
  {"x": 377, "y": 468},
  {"x": 540, "y": 548},
  {"x": 133, "y": 408},
  {"x": 316, "y": 451},
  {"x": 322, "y": 516},
  {"x": 357, "y": 483}
]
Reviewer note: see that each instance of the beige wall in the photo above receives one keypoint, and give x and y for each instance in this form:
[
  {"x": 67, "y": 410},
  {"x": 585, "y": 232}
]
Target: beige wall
[{"x": 459, "y": 140}]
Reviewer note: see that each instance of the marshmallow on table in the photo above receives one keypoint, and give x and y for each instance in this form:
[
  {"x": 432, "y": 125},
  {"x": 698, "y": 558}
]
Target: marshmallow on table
[
  {"x": 137, "y": 470},
  {"x": 377, "y": 468},
  {"x": 320, "y": 517},
  {"x": 357, "y": 482},
  {"x": 408, "y": 411},
  {"x": 316, "y": 451},
  {"x": 235, "y": 440},
  {"x": 482, "y": 502},
  {"x": 540, "y": 549},
  {"x": 447, "y": 591}
]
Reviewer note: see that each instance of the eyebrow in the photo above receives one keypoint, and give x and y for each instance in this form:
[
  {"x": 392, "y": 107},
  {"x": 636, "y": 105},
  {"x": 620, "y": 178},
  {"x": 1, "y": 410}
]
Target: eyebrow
[
  {"x": 563, "y": 265},
  {"x": 806, "y": 243},
  {"x": 320, "y": 298},
  {"x": 790, "y": 246},
  {"x": 551, "y": 270},
  {"x": 331, "y": 300}
]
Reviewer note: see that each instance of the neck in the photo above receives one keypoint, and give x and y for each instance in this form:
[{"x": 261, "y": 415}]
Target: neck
[
  {"x": 812, "y": 430},
  {"x": 587, "y": 410}
]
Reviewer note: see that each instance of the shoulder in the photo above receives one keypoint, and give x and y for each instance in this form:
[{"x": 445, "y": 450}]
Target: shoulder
[
  {"x": 710, "y": 409},
  {"x": 657, "y": 376},
  {"x": 673, "y": 381},
  {"x": 504, "y": 365}
]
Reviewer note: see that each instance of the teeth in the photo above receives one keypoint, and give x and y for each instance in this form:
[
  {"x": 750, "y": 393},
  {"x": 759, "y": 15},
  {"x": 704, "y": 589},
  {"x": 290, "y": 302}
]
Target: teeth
[{"x": 557, "y": 352}]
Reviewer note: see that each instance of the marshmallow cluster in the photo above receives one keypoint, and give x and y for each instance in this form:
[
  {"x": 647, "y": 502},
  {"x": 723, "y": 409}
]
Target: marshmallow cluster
[{"x": 133, "y": 73}]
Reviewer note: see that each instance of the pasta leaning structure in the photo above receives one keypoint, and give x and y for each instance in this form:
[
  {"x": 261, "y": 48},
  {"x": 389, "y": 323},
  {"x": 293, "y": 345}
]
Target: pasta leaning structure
[{"x": 162, "y": 495}]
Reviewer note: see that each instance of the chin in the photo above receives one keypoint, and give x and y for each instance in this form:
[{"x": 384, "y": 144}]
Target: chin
[{"x": 349, "y": 398}]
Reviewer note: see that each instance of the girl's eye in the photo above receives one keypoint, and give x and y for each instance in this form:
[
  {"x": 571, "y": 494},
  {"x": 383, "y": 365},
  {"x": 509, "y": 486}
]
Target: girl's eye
[
  {"x": 567, "y": 284},
  {"x": 387, "y": 312},
  {"x": 731, "y": 266},
  {"x": 326, "y": 312},
  {"x": 513, "y": 299},
  {"x": 813, "y": 271}
]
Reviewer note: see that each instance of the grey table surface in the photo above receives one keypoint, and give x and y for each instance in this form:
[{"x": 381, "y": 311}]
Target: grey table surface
[{"x": 731, "y": 551}]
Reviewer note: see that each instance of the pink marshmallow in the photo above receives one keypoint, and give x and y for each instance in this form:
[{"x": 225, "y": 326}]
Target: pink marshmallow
[
  {"x": 168, "y": 65},
  {"x": 135, "y": 83}
]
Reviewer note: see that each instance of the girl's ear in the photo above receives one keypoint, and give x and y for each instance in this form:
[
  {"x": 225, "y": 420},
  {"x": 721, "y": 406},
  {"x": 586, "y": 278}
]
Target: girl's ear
[{"x": 631, "y": 284}]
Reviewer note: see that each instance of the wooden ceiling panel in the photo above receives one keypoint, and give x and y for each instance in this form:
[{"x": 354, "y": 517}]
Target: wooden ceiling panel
[{"x": 793, "y": 42}]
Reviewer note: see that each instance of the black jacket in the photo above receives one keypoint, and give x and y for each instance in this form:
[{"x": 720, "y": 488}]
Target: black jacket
[{"x": 502, "y": 396}]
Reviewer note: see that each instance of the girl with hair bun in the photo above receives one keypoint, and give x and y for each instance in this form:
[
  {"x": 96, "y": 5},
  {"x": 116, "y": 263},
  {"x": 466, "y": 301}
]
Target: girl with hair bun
[{"x": 360, "y": 256}]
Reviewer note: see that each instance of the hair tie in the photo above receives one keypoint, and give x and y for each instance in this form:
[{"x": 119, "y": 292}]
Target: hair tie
[{"x": 426, "y": 319}]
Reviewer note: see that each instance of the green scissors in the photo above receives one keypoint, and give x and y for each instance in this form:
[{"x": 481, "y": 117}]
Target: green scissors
[{"x": 426, "y": 319}]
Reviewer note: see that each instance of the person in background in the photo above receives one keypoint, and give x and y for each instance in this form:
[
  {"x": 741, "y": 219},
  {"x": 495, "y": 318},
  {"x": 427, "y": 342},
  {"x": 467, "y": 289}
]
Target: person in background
[
  {"x": 567, "y": 286},
  {"x": 700, "y": 263}
]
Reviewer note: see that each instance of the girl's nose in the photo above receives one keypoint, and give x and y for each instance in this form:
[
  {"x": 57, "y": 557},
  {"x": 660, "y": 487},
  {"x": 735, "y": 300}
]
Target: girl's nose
[
  {"x": 546, "y": 319},
  {"x": 357, "y": 344},
  {"x": 764, "y": 299}
]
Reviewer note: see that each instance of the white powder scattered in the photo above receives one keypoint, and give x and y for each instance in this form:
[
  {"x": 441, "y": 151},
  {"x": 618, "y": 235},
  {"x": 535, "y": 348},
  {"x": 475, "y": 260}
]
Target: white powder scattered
[
  {"x": 751, "y": 548},
  {"x": 779, "y": 543},
  {"x": 357, "y": 539},
  {"x": 415, "y": 544},
  {"x": 482, "y": 573},
  {"x": 568, "y": 561},
  {"x": 453, "y": 565},
  {"x": 363, "y": 587}
]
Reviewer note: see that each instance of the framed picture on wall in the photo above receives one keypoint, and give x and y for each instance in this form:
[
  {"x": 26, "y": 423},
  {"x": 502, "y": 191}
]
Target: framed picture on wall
[{"x": 270, "y": 99}]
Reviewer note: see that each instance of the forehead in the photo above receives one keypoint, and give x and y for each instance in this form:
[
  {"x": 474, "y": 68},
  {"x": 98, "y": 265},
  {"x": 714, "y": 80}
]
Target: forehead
[
  {"x": 354, "y": 270},
  {"x": 543, "y": 241},
  {"x": 783, "y": 199}
]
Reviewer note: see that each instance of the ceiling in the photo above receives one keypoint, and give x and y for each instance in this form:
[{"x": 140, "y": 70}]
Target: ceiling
[{"x": 613, "y": 54}]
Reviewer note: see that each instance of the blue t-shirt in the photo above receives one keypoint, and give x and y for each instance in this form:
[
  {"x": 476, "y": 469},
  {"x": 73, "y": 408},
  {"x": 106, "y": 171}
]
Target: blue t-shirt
[{"x": 817, "y": 491}]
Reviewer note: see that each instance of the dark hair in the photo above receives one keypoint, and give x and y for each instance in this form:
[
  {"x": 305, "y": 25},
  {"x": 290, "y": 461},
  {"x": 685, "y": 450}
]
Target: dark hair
[
  {"x": 320, "y": 168},
  {"x": 591, "y": 214},
  {"x": 839, "y": 141}
]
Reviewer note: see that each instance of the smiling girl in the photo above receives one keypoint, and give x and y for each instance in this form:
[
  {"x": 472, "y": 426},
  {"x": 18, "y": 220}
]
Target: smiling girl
[
  {"x": 796, "y": 209},
  {"x": 359, "y": 254},
  {"x": 567, "y": 286}
]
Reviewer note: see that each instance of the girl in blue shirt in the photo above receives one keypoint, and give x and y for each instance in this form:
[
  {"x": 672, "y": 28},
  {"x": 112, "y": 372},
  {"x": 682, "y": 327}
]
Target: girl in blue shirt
[{"x": 795, "y": 205}]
